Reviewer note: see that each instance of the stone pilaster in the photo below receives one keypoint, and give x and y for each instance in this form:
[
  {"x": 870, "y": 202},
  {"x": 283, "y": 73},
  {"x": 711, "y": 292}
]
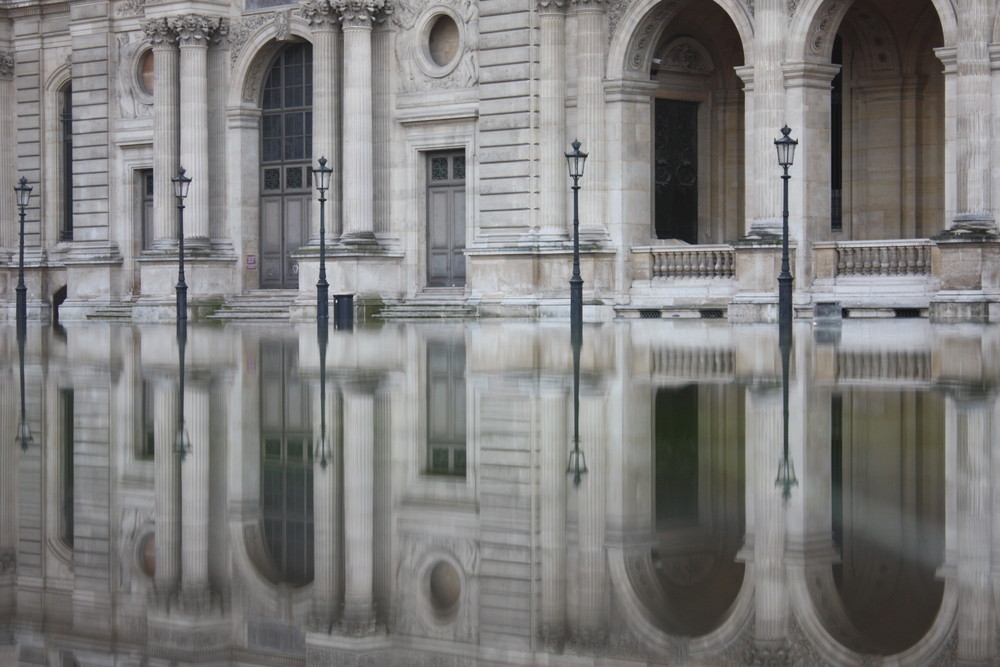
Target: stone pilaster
[
  {"x": 765, "y": 117},
  {"x": 553, "y": 515},
  {"x": 553, "y": 181},
  {"x": 195, "y": 494},
  {"x": 166, "y": 130},
  {"x": 359, "y": 484},
  {"x": 8, "y": 147},
  {"x": 166, "y": 505},
  {"x": 974, "y": 119},
  {"x": 591, "y": 41},
  {"x": 325, "y": 23},
  {"x": 357, "y": 17},
  {"x": 194, "y": 33}
]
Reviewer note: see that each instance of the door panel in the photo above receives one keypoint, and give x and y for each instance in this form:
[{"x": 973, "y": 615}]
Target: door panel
[
  {"x": 446, "y": 220},
  {"x": 270, "y": 243},
  {"x": 676, "y": 156}
]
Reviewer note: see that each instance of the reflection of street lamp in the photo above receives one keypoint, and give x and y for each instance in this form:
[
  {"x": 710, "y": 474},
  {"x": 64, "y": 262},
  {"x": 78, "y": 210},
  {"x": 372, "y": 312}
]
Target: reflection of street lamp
[
  {"x": 23, "y": 436},
  {"x": 786, "y": 154},
  {"x": 322, "y": 176},
  {"x": 577, "y": 462},
  {"x": 323, "y": 445},
  {"x": 23, "y": 191},
  {"x": 576, "y": 160},
  {"x": 181, "y": 185},
  {"x": 182, "y": 445},
  {"x": 786, "y": 471}
]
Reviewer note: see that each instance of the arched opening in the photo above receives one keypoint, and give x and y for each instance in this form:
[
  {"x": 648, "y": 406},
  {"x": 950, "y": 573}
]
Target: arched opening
[
  {"x": 285, "y": 164},
  {"x": 698, "y": 120},
  {"x": 887, "y": 108},
  {"x": 887, "y": 487},
  {"x": 699, "y": 497}
]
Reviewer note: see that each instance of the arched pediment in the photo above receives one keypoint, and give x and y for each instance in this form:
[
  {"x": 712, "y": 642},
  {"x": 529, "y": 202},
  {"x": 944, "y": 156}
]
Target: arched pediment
[{"x": 254, "y": 41}]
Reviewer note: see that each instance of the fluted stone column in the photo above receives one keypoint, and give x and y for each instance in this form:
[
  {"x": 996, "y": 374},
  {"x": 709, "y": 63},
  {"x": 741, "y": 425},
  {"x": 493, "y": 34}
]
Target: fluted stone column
[
  {"x": 327, "y": 483},
  {"x": 969, "y": 421},
  {"x": 974, "y": 118},
  {"x": 193, "y": 35},
  {"x": 325, "y": 23},
  {"x": 8, "y": 147},
  {"x": 591, "y": 583},
  {"x": 763, "y": 452},
  {"x": 591, "y": 41},
  {"x": 554, "y": 436},
  {"x": 195, "y": 496},
  {"x": 166, "y": 130},
  {"x": 9, "y": 407},
  {"x": 765, "y": 117},
  {"x": 358, "y": 209},
  {"x": 359, "y": 487},
  {"x": 167, "y": 489},
  {"x": 553, "y": 181}
]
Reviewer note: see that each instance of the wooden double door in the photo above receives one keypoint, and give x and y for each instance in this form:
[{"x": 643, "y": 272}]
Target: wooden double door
[{"x": 446, "y": 219}]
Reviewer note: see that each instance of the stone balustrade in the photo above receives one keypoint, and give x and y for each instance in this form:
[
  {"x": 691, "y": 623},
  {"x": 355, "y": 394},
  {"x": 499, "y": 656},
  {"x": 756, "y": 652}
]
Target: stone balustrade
[
  {"x": 909, "y": 257},
  {"x": 691, "y": 262}
]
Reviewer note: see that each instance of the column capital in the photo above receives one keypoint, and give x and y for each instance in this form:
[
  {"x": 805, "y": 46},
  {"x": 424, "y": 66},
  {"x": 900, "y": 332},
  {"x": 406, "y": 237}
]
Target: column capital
[
  {"x": 592, "y": 5},
  {"x": 552, "y": 6},
  {"x": 359, "y": 13},
  {"x": 160, "y": 33},
  {"x": 197, "y": 30},
  {"x": 320, "y": 14}
]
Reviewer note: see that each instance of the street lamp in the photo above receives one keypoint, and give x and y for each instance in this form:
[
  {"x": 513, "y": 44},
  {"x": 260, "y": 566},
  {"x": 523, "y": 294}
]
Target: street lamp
[
  {"x": 576, "y": 159},
  {"x": 181, "y": 185},
  {"x": 322, "y": 177},
  {"x": 23, "y": 436},
  {"x": 786, "y": 153},
  {"x": 23, "y": 191}
]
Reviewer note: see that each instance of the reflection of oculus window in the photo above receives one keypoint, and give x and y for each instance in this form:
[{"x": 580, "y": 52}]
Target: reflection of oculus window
[
  {"x": 446, "y": 408},
  {"x": 286, "y": 465},
  {"x": 66, "y": 415},
  {"x": 676, "y": 170}
]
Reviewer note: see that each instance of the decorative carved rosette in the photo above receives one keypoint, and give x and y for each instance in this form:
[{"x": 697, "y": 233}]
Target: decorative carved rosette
[
  {"x": 359, "y": 13},
  {"x": 320, "y": 14},
  {"x": 195, "y": 30},
  {"x": 160, "y": 34},
  {"x": 6, "y": 65}
]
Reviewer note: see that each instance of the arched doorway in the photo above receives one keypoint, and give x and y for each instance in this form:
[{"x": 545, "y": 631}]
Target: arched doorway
[
  {"x": 888, "y": 114},
  {"x": 697, "y": 115},
  {"x": 285, "y": 158}
]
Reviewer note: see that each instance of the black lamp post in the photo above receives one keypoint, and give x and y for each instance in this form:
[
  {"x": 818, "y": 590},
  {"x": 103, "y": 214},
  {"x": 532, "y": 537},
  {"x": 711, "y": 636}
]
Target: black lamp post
[
  {"x": 182, "y": 445},
  {"x": 323, "y": 445},
  {"x": 23, "y": 191},
  {"x": 577, "y": 465},
  {"x": 786, "y": 154},
  {"x": 576, "y": 159},
  {"x": 181, "y": 185},
  {"x": 23, "y": 437},
  {"x": 786, "y": 471},
  {"x": 322, "y": 177}
]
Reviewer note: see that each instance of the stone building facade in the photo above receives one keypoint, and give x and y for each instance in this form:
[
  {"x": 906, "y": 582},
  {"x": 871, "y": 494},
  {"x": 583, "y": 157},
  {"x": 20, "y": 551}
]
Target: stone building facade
[{"x": 445, "y": 124}]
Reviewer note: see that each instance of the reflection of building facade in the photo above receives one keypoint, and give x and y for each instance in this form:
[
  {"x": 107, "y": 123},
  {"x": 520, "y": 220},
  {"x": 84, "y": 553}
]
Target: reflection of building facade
[
  {"x": 446, "y": 123},
  {"x": 411, "y": 538}
]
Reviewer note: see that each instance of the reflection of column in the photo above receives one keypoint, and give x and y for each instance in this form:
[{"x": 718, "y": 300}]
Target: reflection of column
[
  {"x": 326, "y": 512},
  {"x": 969, "y": 420},
  {"x": 166, "y": 505},
  {"x": 358, "y": 210},
  {"x": 552, "y": 119},
  {"x": 166, "y": 123},
  {"x": 591, "y": 39},
  {"x": 325, "y": 26},
  {"x": 193, "y": 33},
  {"x": 9, "y": 410},
  {"x": 592, "y": 622},
  {"x": 554, "y": 439},
  {"x": 359, "y": 480},
  {"x": 194, "y": 494},
  {"x": 763, "y": 447}
]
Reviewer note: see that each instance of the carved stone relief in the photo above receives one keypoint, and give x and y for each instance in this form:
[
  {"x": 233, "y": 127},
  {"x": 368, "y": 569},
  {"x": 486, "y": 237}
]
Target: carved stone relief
[
  {"x": 827, "y": 19},
  {"x": 8, "y": 562},
  {"x": 418, "y": 71},
  {"x": 133, "y": 100},
  {"x": 647, "y": 32},
  {"x": 130, "y": 8},
  {"x": 686, "y": 55},
  {"x": 878, "y": 42},
  {"x": 241, "y": 30},
  {"x": 6, "y": 65}
]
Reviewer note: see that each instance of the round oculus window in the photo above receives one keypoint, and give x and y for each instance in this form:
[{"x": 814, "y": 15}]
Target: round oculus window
[{"x": 146, "y": 75}]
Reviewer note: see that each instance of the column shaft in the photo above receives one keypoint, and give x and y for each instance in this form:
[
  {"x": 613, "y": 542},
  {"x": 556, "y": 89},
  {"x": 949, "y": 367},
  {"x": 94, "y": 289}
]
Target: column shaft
[
  {"x": 166, "y": 131},
  {"x": 553, "y": 223},
  {"x": 591, "y": 40},
  {"x": 326, "y": 85},
  {"x": 359, "y": 483},
  {"x": 768, "y": 112},
  {"x": 195, "y": 492},
  {"x": 8, "y": 148},
  {"x": 194, "y": 137},
  {"x": 166, "y": 504},
  {"x": 358, "y": 222}
]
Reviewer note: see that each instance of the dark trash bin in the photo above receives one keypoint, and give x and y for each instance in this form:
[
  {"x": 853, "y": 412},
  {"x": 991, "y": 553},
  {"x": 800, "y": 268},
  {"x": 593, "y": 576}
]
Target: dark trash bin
[{"x": 343, "y": 311}]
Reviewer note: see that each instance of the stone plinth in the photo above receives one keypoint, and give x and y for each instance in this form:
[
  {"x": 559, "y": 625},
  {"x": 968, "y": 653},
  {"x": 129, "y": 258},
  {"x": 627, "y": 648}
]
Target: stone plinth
[{"x": 970, "y": 279}]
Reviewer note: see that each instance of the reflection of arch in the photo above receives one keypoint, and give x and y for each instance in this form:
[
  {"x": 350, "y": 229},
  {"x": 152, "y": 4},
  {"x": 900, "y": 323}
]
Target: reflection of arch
[
  {"x": 640, "y": 30},
  {"x": 252, "y": 569}
]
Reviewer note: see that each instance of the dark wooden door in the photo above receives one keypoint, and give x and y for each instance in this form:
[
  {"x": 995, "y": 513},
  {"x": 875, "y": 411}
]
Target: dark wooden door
[
  {"x": 676, "y": 159},
  {"x": 446, "y": 220}
]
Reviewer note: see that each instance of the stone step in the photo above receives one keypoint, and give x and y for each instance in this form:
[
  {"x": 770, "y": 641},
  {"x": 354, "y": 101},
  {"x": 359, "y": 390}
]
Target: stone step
[
  {"x": 435, "y": 303},
  {"x": 112, "y": 312},
  {"x": 271, "y": 305}
]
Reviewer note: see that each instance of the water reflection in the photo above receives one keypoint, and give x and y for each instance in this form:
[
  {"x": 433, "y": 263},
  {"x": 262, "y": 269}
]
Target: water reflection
[{"x": 401, "y": 495}]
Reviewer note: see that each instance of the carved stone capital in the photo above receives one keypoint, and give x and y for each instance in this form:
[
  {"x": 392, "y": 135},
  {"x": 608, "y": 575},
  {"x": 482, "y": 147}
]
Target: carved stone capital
[
  {"x": 588, "y": 4},
  {"x": 6, "y": 65},
  {"x": 359, "y": 13},
  {"x": 196, "y": 30},
  {"x": 160, "y": 33},
  {"x": 551, "y": 6},
  {"x": 320, "y": 14}
]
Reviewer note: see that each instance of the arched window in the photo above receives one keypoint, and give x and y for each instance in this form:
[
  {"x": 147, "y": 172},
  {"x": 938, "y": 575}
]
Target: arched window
[{"x": 66, "y": 162}]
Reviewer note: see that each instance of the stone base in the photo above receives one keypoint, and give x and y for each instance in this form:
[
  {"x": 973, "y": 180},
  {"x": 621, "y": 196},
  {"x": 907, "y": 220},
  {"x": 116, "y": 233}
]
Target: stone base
[
  {"x": 958, "y": 307},
  {"x": 749, "y": 309}
]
